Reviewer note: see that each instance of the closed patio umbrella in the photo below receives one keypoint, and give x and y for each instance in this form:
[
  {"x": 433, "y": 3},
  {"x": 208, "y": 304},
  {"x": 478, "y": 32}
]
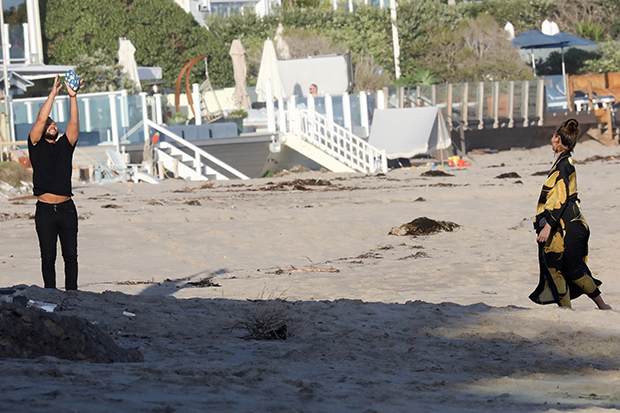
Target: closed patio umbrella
[
  {"x": 126, "y": 58},
  {"x": 269, "y": 71},
  {"x": 237, "y": 54}
]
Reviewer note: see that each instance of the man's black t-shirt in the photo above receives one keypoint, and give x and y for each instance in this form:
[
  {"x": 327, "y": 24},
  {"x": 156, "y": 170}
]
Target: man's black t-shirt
[{"x": 52, "y": 166}]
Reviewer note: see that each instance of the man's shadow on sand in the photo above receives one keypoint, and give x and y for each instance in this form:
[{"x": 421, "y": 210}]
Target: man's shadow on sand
[{"x": 169, "y": 286}]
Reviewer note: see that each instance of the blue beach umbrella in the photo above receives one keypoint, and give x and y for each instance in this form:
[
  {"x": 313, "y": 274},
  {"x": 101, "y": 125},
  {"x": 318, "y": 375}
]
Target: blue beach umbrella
[{"x": 535, "y": 39}]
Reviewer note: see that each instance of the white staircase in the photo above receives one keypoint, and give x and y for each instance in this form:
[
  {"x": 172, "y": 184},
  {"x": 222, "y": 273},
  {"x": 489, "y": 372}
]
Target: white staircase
[
  {"x": 329, "y": 144},
  {"x": 190, "y": 162},
  {"x": 183, "y": 165}
]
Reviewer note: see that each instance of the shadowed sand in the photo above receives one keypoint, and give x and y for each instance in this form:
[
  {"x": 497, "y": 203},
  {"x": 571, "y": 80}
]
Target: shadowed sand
[{"x": 376, "y": 322}]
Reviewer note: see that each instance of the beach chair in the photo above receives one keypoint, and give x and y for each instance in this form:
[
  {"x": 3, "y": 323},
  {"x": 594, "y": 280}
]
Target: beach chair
[
  {"x": 129, "y": 172},
  {"x": 107, "y": 174}
]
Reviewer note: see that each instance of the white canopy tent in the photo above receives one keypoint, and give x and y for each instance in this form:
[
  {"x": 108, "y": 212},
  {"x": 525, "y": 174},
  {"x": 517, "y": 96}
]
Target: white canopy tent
[{"x": 404, "y": 133}]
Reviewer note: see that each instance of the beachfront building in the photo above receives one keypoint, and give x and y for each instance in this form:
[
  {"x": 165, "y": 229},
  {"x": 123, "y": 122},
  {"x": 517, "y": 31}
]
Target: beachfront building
[
  {"x": 22, "y": 46},
  {"x": 203, "y": 10}
]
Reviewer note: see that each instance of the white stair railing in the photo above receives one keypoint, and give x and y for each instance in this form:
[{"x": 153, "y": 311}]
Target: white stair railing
[
  {"x": 336, "y": 141},
  {"x": 182, "y": 164},
  {"x": 198, "y": 154}
]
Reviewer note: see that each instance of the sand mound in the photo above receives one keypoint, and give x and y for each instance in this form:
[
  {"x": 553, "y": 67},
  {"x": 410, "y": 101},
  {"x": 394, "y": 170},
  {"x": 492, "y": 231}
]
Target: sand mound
[
  {"x": 30, "y": 333},
  {"x": 13, "y": 173},
  {"x": 423, "y": 226}
]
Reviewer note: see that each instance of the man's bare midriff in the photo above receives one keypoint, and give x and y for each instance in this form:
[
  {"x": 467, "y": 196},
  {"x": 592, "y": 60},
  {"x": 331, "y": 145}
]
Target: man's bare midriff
[{"x": 53, "y": 198}]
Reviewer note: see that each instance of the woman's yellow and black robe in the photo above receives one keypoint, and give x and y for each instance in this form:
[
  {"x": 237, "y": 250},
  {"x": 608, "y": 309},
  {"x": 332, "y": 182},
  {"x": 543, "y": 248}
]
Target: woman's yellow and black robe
[{"x": 564, "y": 274}]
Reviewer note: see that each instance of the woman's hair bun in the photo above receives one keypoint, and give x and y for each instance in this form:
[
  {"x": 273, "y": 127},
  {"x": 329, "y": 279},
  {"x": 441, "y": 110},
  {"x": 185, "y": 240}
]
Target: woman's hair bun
[
  {"x": 568, "y": 131},
  {"x": 571, "y": 126}
]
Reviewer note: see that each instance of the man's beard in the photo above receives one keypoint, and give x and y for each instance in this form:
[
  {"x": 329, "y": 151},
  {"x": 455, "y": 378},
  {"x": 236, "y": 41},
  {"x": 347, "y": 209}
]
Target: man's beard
[{"x": 50, "y": 137}]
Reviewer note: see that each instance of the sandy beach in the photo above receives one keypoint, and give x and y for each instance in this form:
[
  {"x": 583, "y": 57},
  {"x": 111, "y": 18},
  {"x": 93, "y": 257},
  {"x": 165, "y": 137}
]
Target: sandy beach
[{"x": 374, "y": 322}]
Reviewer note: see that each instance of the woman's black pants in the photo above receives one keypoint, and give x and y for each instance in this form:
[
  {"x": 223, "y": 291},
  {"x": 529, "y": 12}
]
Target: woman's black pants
[{"x": 54, "y": 221}]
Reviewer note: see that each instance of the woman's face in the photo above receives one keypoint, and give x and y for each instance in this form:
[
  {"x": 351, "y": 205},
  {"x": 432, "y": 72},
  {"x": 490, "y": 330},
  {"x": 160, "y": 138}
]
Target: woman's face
[{"x": 556, "y": 143}]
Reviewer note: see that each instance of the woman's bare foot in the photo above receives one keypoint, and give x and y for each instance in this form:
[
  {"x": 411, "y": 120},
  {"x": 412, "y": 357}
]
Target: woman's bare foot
[{"x": 601, "y": 304}]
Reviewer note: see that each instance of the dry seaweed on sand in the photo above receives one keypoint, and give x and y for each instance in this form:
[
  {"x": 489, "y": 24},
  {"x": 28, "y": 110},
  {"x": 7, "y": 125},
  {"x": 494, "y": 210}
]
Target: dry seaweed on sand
[
  {"x": 508, "y": 175},
  {"x": 6, "y": 217},
  {"x": 541, "y": 173},
  {"x": 597, "y": 158},
  {"x": 293, "y": 269},
  {"x": 130, "y": 282},
  {"x": 205, "y": 282},
  {"x": 423, "y": 226},
  {"x": 186, "y": 189},
  {"x": 419, "y": 254},
  {"x": 435, "y": 172},
  {"x": 299, "y": 184},
  {"x": 372, "y": 255},
  {"x": 295, "y": 169}
]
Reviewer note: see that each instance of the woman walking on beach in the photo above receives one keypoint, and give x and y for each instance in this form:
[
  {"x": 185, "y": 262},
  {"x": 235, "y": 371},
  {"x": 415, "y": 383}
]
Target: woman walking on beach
[{"x": 562, "y": 231}]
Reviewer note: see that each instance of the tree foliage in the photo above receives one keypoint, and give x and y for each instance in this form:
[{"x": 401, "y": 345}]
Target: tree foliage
[
  {"x": 78, "y": 27},
  {"x": 461, "y": 42},
  {"x": 16, "y": 16},
  {"x": 575, "y": 62},
  {"x": 162, "y": 33},
  {"x": 523, "y": 14},
  {"x": 98, "y": 71},
  {"x": 608, "y": 62}
]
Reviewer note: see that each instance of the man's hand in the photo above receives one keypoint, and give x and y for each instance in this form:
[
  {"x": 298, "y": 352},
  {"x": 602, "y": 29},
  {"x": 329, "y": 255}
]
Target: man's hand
[
  {"x": 543, "y": 236},
  {"x": 72, "y": 93},
  {"x": 57, "y": 86}
]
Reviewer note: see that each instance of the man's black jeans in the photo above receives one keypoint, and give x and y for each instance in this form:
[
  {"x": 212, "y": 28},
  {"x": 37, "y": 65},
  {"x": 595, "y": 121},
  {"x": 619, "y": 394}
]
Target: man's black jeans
[{"x": 55, "y": 221}]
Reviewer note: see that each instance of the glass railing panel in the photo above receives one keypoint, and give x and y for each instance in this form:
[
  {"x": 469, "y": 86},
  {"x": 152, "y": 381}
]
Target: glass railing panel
[
  {"x": 472, "y": 102},
  {"x": 356, "y": 116},
  {"x": 392, "y": 97},
  {"x": 487, "y": 101},
  {"x": 518, "y": 100},
  {"x": 338, "y": 112},
  {"x": 532, "y": 104},
  {"x": 319, "y": 105},
  {"x": 457, "y": 102},
  {"x": 16, "y": 38},
  {"x": 503, "y": 102},
  {"x": 372, "y": 106},
  {"x": 426, "y": 95},
  {"x": 441, "y": 98},
  {"x": 555, "y": 95}
]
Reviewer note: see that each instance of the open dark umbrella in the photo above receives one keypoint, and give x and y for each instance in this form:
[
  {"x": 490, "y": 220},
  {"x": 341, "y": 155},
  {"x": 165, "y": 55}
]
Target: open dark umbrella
[{"x": 535, "y": 39}]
